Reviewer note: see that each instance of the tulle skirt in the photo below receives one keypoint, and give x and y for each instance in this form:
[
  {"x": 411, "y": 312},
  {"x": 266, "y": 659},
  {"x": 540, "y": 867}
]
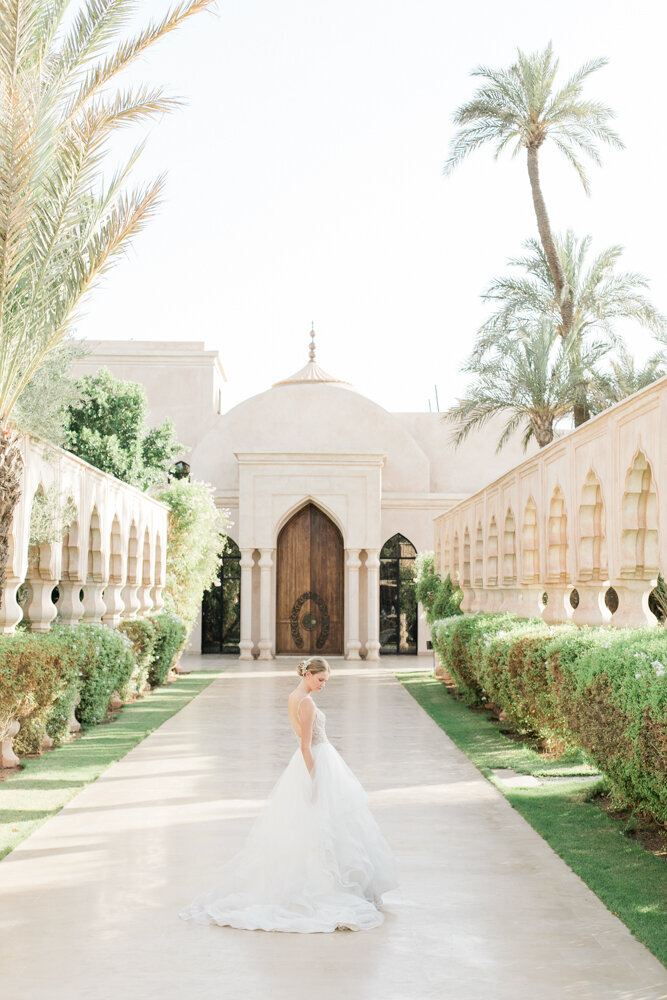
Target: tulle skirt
[{"x": 314, "y": 860}]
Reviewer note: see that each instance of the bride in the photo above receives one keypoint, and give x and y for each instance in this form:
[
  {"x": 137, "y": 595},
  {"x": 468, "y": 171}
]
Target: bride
[{"x": 315, "y": 859}]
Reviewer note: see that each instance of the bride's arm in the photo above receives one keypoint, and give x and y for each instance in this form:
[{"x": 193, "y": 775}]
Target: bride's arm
[{"x": 306, "y": 718}]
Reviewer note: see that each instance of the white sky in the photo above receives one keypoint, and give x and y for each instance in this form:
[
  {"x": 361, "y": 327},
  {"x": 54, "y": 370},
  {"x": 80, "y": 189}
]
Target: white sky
[{"x": 305, "y": 183}]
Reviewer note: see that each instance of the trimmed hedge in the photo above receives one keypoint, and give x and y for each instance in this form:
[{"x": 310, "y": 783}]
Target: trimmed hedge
[
  {"x": 142, "y": 634},
  {"x": 603, "y": 690},
  {"x": 170, "y": 636},
  {"x": 36, "y": 674},
  {"x": 46, "y": 676}
]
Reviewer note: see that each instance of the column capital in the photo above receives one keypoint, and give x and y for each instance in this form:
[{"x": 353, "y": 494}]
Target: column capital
[
  {"x": 266, "y": 558},
  {"x": 247, "y": 558},
  {"x": 373, "y": 558},
  {"x": 352, "y": 558}
]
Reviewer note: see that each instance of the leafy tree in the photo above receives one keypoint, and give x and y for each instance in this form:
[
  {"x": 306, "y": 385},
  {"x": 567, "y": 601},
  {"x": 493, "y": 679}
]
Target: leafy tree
[
  {"x": 601, "y": 296},
  {"x": 521, "y": 106},
  {"x": 43, "y": 406},
  {"x": 62, "y": 223},
  {"x": 532, "y": 376},
  {"x": 107, "y": 428},
  {"x": 196, "y": 537},
  {"x": 625, "y": 378},
  {"x": 439, "y": 598}
]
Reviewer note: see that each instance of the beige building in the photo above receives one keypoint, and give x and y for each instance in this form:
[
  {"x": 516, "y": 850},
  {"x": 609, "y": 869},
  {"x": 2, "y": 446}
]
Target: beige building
[{"x": 330, "y": 497}]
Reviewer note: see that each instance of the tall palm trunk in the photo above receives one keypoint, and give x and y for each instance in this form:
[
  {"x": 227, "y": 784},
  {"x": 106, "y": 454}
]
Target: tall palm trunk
[
  {"x": 11, "y": 465},
  {"x": 543, "y": 428},
  {"x": 563, "y": 290}
]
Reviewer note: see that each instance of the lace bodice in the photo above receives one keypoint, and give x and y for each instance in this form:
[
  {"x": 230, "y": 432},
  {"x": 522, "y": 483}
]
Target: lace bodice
[{"x": 319, "y": 732}]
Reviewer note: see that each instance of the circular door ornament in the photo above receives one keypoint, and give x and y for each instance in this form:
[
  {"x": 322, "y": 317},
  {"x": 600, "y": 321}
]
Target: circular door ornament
[{"x": 310, "y": 621}]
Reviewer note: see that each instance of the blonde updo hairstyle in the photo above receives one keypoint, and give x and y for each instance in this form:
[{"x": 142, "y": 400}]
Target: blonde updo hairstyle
[{"x": 316, "y": 665}]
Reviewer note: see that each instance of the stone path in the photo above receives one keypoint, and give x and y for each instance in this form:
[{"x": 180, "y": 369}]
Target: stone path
[{"x": 485, "y": 911}]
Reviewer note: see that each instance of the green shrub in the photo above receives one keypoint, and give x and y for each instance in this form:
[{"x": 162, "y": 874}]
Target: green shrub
[
  {"x": 610, "y": 690},
  {"x": 603, "y": 690},
  {"x": 439, "y": 598},
  {"x": 106, "y": 662},
  {"x": 170, "y": 636},
  {"x": 195, "y": 541},
  {"x": 142, "y": 633},
  {"x": 36, "y": 670}
]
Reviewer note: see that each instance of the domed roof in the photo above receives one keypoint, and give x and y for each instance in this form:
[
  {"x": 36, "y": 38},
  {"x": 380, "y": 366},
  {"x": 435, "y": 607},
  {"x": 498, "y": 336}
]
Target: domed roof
[{"x": 311, "y": 372}]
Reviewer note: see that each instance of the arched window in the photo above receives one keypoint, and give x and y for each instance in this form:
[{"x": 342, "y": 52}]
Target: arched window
[
  {"x": 221, "y": 606},
  {"x": 398, "y": 605}
]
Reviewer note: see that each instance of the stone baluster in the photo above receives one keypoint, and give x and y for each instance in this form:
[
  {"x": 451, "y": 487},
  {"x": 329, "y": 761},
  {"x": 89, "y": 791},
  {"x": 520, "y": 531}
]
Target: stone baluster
[
  {"x": 265, "y": 566},
  {"x": 114, "y": 604},
  {"x": 131, "y": 602},
  {"x": 40, "y": 609},
  {"x": 373, "y": 584},
  {"x": 246, "y": 643},
  {"x": 156, "y": 597},
  {"x": 70, "y": 606},
  {"x": 145, "y": 599},
  {"x": 352, "y": 563},
  {"x": 7, "y": 733},
  {"x": 633, "y": 609},
  {"x": 94, "y": 607},
  {"x": 11, "y": 611},
  {"x": 591, "y": 602},
  {"x": 558, "y": 607}
]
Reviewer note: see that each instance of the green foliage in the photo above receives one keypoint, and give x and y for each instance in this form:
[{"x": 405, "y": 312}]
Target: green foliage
[
  {"x": 142, "y": 633},
  {"x": 195, "y": 541},
  {"x": 107, "y": 428},
  {"x": 106, "y": 662},
  {"x": 601, "y": 690},
  {"x": 170, "y": 636},
  {"x": 51, "y": 516},
  {"x": 42, "y": 407},
  {"x": 439, "y": 598},
  {"x": 35, "y": 671},
  {"x": 64, "y": 216}
]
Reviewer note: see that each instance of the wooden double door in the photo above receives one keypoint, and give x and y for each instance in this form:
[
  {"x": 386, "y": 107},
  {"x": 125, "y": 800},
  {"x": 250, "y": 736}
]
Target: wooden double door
[{"x": 309, "y": 605}]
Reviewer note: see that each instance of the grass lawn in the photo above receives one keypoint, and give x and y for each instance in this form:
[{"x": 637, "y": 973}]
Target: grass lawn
[
  {"x": 30, "y": 795},
  {"x": 629, "y": 880}
]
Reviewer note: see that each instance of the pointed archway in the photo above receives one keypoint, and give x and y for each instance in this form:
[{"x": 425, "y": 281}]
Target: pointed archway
[
  {"x": 309, "y": 601},
  {"x": 398, "y": 604}
]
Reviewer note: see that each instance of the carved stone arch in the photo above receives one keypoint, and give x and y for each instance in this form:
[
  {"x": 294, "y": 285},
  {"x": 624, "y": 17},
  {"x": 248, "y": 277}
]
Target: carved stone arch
[
  {"x": 115, "y": 551},
  {"x": 146, "y": 560},
  {"x": 132, "y": 571},
  {"x": 592, "y": 535},
  {"x": 71, "y": 548},
  {"x": 456, "y": 565},
  {"x": 557, "y": 538},
  {"x": 492, "y": 553},
  {"x": 398, "y": 602},
  {"x": 509, "y": 549},
  {"x": 446, "y": 566},
  {"x": 309, "y": 500},
  {"x": 466, "y": 557},
  {"x": 530, "y": 544},
  {"x": 157, "y": 573},
  {"x": 478, "y": 577},
  {"x": 95, "y": 570},
  {"x": 639, "y": 539}
]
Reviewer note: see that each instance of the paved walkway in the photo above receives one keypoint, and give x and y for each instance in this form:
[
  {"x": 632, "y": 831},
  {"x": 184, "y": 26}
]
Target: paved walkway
[{"x": 485, "y": 910}]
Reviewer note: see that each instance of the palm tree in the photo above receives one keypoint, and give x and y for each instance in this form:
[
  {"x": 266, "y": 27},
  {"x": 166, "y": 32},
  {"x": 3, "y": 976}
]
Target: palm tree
[
  {"x": 532, "y": 376},
  {"x": 600, "y": 294},
  {"x": 600, "y": 297},
  {"x": 61, "y": 224},
  {"x": 624, "y": 378},
  {"x": 519, "y": 105}
]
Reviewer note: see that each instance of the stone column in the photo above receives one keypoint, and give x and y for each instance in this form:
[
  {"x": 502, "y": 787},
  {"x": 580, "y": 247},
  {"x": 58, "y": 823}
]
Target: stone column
[
  {"x": 94, "y": 607},
  {"x": 145, "y": 599},
  {"x": 11, "y": 611},
  {"x": 40, "y": 610},
  {"x": 555, "y": 610},
  {"x": 246, "y": 644},
  {"x": 131, "y": 603},
  {"x": 156, "y": 597},
  {"x": 70, "y": 605},
  {"x": 352, "y": 563},
  {"x": 591, "y": 601},
  {"x": 113, "y": 603},
  {"x": 265, "y": 643},
  {"x": 633, "y": 609},
  {"x": 373, "y": 582}
]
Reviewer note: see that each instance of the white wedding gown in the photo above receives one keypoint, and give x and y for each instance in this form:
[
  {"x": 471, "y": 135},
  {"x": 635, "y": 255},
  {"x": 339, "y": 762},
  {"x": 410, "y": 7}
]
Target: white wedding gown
[{"x": 314, "y": 860}]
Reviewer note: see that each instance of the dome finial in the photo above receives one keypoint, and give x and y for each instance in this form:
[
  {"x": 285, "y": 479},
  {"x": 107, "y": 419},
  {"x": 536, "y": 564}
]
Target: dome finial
[{"x": 312, "y": 341}]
